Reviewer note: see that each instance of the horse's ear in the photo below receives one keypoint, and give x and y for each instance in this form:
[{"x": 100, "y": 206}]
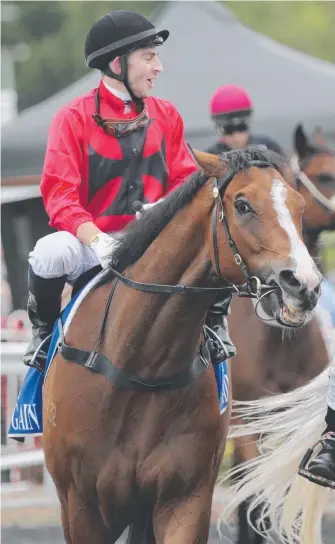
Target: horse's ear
[
  {"x": 301, "y": 142},
  {"x": 319, "y": 137},
  {"x": 212, "y": 165}
]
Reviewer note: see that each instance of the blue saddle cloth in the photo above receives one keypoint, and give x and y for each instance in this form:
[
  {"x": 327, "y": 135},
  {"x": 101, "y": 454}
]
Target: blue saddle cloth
[{"x": 27, "y": 415}]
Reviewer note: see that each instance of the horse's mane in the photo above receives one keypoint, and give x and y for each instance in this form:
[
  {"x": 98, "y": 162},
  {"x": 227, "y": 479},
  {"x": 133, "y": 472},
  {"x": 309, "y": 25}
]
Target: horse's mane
[{"x": 136, "y": 238}]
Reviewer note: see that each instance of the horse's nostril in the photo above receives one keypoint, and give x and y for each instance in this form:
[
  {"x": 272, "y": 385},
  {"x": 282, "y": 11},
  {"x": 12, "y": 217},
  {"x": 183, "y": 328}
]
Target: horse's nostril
[{"x": 288, "y": 278}]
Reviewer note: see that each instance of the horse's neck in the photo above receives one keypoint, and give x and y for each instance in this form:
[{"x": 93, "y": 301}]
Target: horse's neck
[{"x": 164, "y": 331}]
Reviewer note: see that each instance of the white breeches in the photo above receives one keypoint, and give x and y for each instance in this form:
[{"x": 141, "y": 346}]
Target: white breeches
[{"x": 61, "y": 254}]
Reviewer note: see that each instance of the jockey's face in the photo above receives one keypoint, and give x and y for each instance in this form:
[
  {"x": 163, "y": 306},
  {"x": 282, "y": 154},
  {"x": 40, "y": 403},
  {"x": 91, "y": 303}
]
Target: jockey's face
[
  {"x": 143, "y": 68},
  {"x": 236, "y": 140}
]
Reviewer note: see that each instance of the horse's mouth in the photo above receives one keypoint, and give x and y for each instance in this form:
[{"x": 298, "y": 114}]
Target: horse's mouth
[{"x": 288, "y": 316}]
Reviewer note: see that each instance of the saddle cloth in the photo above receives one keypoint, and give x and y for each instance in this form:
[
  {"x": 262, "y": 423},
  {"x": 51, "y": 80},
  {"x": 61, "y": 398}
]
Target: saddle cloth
[{"x": 27, "y": 414}]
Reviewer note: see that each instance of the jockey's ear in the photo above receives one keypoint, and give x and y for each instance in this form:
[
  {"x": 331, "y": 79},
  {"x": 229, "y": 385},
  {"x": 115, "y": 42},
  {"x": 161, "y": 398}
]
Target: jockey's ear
[{"x": 115, "y": 65}]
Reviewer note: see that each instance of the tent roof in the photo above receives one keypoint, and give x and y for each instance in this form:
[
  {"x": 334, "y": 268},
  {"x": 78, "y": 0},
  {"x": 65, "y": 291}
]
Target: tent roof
[{"x": 212, "y": 49}]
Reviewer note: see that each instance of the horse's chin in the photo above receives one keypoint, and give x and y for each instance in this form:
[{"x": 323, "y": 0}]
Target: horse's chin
[{"x": 285, "y": 314}]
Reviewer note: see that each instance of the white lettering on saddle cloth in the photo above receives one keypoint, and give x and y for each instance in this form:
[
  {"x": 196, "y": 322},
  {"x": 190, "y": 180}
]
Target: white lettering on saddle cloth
[
  {"x": 225, "y": 389},
  {"x": 25, "y": 418},
  {"x": 224, "y": 392}
]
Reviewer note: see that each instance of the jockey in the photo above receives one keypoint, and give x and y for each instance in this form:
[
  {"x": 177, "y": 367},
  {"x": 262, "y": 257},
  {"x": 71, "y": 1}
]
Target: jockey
[
  {"x": 107, "y": 149},
  {"x": 230, "y": 110}
]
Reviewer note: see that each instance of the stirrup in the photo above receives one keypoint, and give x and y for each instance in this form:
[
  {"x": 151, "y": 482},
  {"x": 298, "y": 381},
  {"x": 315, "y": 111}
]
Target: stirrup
[
  {"x": 303, "y": 467},
  {"x": 226, "y": 351},
  {"x": 34, "y": 360}
]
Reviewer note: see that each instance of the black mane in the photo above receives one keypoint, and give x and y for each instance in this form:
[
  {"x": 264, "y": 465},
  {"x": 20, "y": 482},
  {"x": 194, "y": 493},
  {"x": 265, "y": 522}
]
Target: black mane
[
  {"x": 238, "y": 159},
  {"x": 136, "y": 238}
]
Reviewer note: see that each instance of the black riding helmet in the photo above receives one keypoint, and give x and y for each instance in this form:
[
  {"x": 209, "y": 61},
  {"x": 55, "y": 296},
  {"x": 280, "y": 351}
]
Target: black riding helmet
[{"x": 116, "y": 34}]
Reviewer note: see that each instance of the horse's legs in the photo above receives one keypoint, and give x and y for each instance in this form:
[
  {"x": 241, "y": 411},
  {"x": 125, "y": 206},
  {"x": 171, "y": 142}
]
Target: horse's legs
[
  {"x": 186, "y": 522},
  {"x": 65, "y": 519},
  {"x": 142, "y": 532},
  {"x": 86, "y": 524},
  {"x": 246, "y": 534},
  {"x": 244, "y": 450}
]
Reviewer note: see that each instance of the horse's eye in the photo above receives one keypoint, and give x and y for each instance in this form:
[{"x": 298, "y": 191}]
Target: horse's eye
[
  {"x": 326, "y": 178},
  {"x": 242, "y": 207}
]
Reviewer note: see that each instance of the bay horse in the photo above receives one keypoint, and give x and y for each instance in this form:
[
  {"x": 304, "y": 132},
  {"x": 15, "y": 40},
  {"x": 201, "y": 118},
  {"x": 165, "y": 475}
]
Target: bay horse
[
  {"x": 133, "y": 435},
  {"x": 268, "y": 362}
]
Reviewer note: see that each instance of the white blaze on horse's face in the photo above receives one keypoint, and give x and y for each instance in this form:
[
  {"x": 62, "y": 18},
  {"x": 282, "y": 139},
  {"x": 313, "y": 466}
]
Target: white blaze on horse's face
[{"x": 305, "y": 269}]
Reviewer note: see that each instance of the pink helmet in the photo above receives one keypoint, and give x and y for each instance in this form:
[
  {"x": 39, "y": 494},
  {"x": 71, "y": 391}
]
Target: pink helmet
[{"x": 230, "y": 99}]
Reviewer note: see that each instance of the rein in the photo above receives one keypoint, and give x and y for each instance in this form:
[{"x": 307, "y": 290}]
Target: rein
[{"x": 245, "y": 290}]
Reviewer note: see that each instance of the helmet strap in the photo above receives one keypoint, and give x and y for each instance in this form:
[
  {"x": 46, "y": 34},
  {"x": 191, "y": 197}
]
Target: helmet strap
[{"x": 123, "y": 77}]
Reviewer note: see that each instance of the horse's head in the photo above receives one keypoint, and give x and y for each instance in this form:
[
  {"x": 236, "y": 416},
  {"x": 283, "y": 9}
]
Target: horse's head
[
  {"x": 259, "y": 215},
  {"x": 315, "y": 170}
]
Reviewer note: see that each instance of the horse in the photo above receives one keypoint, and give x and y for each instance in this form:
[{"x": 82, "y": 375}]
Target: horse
[
  {"x": 133, "y": 435},
  {"x": 269, "y": 362},
  {"x": 294, "y": 361}
]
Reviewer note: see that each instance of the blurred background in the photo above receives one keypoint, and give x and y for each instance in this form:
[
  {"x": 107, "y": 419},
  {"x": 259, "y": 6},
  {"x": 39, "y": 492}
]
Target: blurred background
[{"x": 283, "y": 53}]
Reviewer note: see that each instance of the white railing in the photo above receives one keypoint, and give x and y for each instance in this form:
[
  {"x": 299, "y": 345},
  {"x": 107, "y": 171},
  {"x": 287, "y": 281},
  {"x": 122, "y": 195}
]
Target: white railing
[
  {"x": 31, "y": 458},
  {"x": 11, "y": 358}
]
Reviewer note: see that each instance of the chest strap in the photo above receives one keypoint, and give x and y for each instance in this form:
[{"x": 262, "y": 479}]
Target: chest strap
[{"x": 117, "y": 376}]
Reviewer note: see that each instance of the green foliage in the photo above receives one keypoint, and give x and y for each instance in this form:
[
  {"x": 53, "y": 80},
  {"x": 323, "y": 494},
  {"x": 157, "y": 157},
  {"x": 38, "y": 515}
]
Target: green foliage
[
  {"x": 307, "y": 26},
  {"x": 32, "y": 23}
]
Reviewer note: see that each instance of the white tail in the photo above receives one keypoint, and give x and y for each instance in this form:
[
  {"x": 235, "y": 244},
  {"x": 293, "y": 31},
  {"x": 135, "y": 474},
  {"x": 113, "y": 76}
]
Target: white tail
[{"x": 288, "y": 424}]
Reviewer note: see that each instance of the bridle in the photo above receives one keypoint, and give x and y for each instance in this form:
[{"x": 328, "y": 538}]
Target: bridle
[
  {"x": 252, "y": 288},
  {"x": 298, "y": 168}
]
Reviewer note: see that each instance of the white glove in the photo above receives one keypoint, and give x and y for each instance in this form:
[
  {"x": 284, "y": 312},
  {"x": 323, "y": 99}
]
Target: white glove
[
  {"x": 146, "y": 207},
  {"x": 103, "y": 246}
]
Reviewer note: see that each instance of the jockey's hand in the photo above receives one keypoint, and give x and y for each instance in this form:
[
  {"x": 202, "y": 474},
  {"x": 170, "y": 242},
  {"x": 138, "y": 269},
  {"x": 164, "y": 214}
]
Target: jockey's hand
[
  {"x": 145, "y": 207},
  {"x": 103, "y": 245}
]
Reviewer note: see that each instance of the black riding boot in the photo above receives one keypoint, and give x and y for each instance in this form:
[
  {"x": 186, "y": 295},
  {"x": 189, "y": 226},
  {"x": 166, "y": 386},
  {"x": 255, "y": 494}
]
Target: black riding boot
[
  {"x": 321, "y": 469},
  {"x": 221, "y": 345},
  {"x": 44, "y": 305}
]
